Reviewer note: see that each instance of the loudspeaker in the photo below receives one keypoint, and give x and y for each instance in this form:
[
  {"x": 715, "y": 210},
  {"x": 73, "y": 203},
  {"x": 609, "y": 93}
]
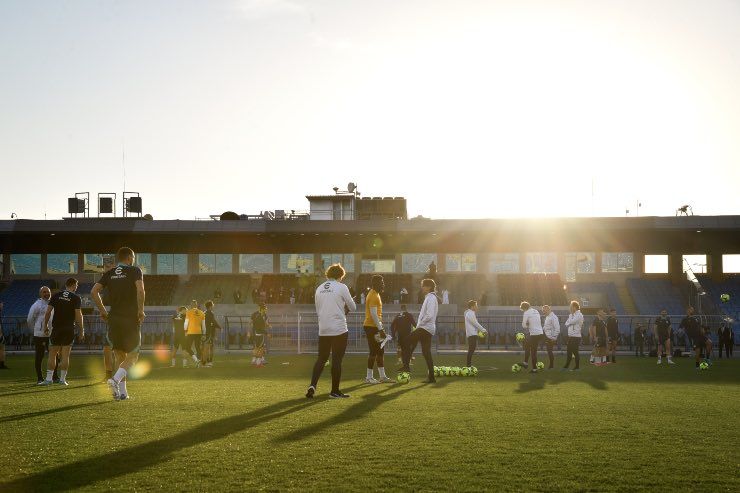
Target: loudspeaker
[
  {"x": 105, "y": 205},
  {"x": 134, "y": 204},
  {"x": 75, "y": 205}
]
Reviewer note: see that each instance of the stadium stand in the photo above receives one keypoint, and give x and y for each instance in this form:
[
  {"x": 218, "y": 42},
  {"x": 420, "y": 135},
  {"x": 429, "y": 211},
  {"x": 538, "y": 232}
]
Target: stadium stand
[
  {"x": 462, "y": 287},
  {"x": 538, "y": 289},
  {"x": 393, "y": 285},
  {"x": 600, "y": 292},
  {"x": 653, "y": 295},
  {"x": 21, "y": 294},
  {"x": 160, "y": 289},
  {"x": 729, "y": 285},
  {"x": 204, "y": 287}
]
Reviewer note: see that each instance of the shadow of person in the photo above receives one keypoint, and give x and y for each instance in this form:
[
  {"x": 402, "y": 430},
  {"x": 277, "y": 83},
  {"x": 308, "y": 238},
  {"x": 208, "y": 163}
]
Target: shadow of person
[
  {"x": 539, "y": 381},
  {"x": 362, "y": 406},
  {"x": 18, "y": 417},
  {"x": 110, "y": 466},
  {"x": 33, "y": 389}
]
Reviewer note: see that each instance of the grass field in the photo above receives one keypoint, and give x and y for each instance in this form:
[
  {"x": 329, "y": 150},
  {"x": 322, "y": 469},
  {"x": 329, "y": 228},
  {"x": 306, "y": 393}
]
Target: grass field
[{"x": 627, "y": 427}]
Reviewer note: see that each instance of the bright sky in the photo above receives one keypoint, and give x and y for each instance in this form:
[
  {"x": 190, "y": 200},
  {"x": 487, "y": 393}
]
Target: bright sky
[{"x": 467, "y": 108}]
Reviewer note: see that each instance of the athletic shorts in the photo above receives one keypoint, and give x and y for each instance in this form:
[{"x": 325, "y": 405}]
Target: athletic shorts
[
  {"x": 613, "y": 340},
  {"x": 371, "y": 342},
  {"x": 210, "y": 333},
  {"x": 179, "y": 340},
  {"x": 700, "y": 342},
  {"x": 259, "y": 340},
  {"x": 663, "y": 337},
  {"x": 124, "y": 334},
  {"x": 601, "y": 342},
  {"x": 62, "y": 336}
]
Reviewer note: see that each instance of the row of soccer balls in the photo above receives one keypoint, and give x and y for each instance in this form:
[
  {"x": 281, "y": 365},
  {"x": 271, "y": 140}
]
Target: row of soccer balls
[{"x": 442, "y": 371}]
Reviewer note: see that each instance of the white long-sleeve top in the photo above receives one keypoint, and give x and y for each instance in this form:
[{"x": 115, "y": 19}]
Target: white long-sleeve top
[
  {"x": 471, "y": 324},
  {"x": 331, "y": 299},
  {"x": 574, "y": 324},
  {"x": 552, "y": 326},
  {"x": 36, "y": 317},
  {"x": 428, "y": 315},
  {"x": 531, "y": 320}
]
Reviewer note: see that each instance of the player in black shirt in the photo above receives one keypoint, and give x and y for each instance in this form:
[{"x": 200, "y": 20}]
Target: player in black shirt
[
  {"x": 178, "y": 335},
  {"x": 260, "y": 325},
  {"x": 401, "y": 327},
  {"x": 211, "y": 326},
  {"x": 612, "y": 330},
  {"x": 598, "y": 335},
  {"x": 66, "y": 308},
  {"x": 663, "y": 332},
  {"x": 125, "y": 285},
  {"x": 690, "y": 324}
]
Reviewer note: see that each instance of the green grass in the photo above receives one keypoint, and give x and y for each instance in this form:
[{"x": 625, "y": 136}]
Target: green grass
[{"x": 627, "y": 427}]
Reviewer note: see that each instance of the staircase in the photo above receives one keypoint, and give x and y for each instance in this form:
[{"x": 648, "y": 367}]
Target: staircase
[{"x": 626, "y": 298}]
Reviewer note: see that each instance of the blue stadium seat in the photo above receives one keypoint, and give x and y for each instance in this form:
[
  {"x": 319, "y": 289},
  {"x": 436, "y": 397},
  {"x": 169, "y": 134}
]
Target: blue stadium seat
[
  {"x": 18, "y": 297},
  {"x": 653, "y": 295}
]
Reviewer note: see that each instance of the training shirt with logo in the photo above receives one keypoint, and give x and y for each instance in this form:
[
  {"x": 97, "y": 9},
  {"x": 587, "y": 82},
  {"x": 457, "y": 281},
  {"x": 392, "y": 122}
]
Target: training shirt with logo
[
  {"x": 64, "y": 304},
  {"x": 120, "y": 283},
  {"x": 332, "y": 298}
]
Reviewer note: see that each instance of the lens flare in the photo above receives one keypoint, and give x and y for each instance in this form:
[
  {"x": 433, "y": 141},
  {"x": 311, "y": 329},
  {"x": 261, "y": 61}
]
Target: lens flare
[{"x": 140, "y": 370}]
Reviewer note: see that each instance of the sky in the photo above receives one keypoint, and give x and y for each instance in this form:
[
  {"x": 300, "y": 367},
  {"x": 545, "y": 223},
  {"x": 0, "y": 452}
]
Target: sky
[{"x": 469, "y": 109}]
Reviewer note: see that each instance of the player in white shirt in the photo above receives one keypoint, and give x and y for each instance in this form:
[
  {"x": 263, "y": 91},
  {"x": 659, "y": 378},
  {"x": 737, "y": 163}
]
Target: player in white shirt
[
  {"x": 552, "y": 331},
  {"x": 35, "y": 322},
  {"x": 472, "y": 327},
  {"x": 426, "y": 327},
  {"x": 333, "y": 302},
  {"x": 531, "y": 321},
  {"x": 574, "y": 326}
]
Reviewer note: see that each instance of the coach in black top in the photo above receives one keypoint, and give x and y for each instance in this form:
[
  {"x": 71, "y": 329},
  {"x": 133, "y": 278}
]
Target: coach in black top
[
  {"x": 211, "y": 326},
  {"x": 663, "y": 336},
  {"x": 401, "y": 328},
  {"x": 612, "y": 330},
  {"x": 690, "y": 324},
  {"x": 66, "y": 308},
  {"x": 125, "y": 286}
]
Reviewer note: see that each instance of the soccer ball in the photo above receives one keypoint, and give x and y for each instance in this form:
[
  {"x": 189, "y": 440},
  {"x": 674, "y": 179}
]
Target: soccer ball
[
  {"x": 724, "y": 297},
  {"x": 703, "y": 365},
  {"x": 473, "y": 371},
  {"x": 540, "y": 365},
  {"x": 437, "y": 371},
  {"x": 465, "y": 372},
  {"x": 403, "y": 377},
  {"x": 453, "y": 371},
  {"x": 516, "y": 368},
  {"x": 520, "y": 337},
  {"x": 482, "y": 334}
]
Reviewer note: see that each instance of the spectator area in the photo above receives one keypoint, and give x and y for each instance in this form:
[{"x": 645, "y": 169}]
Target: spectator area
[
  {"x": 596, "y": 294},
  {"x": 730, "y": 285},
  {"x": 653, "y": 295}
]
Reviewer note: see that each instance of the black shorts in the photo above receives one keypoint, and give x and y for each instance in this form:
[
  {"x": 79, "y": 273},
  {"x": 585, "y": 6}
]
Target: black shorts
[
  {"x": 663, "y": 338},
  {"x": 601, "y": 342},
  {"x": 62, "y": 336},
  {"x": 259, "y": 340},
  {"x": 372, "y": 344},
  {"x": 124, "y": 334},
  {"x": 179, "y": 340},
  {"x": 210, "y": 333},
  {"x": 699, "y": 342}
]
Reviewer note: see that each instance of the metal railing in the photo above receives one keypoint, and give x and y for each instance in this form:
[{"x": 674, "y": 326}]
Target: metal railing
[{"x": 298, "y": 332}]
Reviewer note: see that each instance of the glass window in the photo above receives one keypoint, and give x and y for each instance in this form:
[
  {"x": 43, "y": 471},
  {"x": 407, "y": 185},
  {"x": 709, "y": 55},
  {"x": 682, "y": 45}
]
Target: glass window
[
  {"x": 62, "y": 263},
  {"x": 300, "y": 263},
  {"x": 541, "y": 263},
  {"x": 25, "y": 263},
  {"x": 379, "y": 265},
  {"x": 417, "y": 262},
  {"x": 503, "y": 263},
  {"x": 255, "y": 263},
  {"x": 461, "y": 262},
  {"x": 172, "y": 263},
  {"x": 97, "y": 262},
  {"x": 617, "y": 262},
  {"x": 144, "y": 262},
  {"x": 346, "y": 259},
  {"x": 656, "y": 264},
  {"x": 731, "y": 263},
  {"x": 214, "y": 263}
]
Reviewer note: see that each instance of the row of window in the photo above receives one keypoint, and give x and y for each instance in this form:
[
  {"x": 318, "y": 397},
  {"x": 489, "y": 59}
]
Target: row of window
[{"x": 303, "y": 263}]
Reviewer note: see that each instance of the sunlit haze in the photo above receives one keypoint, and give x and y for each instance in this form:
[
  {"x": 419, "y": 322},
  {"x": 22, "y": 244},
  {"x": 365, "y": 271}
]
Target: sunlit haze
[{"x": 468, "y": 109}]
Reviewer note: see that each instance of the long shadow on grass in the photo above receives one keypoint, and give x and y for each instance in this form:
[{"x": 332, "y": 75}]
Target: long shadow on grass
[
  {"x": 34, "y": 414},
  {"x": 148, "y": 455},
  {"x": 364, "y": 405},
  {"x": 538, "y": 381},
  {"x": 34, "y": 389}
]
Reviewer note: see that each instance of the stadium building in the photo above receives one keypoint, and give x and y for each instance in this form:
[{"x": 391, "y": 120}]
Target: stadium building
[{"x": 278, "y": 257}]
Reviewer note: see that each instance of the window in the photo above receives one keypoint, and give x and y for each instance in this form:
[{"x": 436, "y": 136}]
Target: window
[
  {"x": 731, "y": 263},
  {"x": 97, "y": 262},
  {"x": 144, "y": 262},
  {"x": 541, "y": 263},
  {"x": 417, "y": 262},
  {"x": 346, "y": 259},
  {"x": 25, "y": 263},
  {"x": 503, "y": 263},
  {"x": 379, "y": 265},
  {"x": 62, "y": 263},
  {"x": 617, "y": 262},
  {"x": 460, "y": 262},
  {"x": 656, "y": 264},
  {"x": 215, "y": 263},
  {"x": 169, "y": 263},
  {"x": 300, "y": 263},
  {"x": 255, "y": 263}
]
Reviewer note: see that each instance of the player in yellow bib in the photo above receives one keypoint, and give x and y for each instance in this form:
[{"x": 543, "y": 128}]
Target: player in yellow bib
[{"x": 373, "y": 326}]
